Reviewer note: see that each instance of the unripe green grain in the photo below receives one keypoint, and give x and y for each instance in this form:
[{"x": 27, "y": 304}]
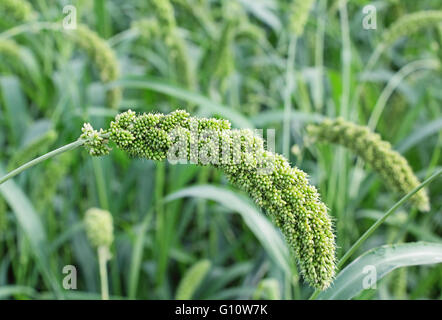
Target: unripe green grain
[
  {"x": 95, "y": 143},
  {"x": 99, "y": 227},
  {"x": 389, "y": 164},
  {"x": 14, "y": 12},
  {"x": 284, "y": 192}
]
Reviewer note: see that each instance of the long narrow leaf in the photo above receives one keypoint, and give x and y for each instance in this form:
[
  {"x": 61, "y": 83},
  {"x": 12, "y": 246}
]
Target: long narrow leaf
[
  {"x": 377, "y": 263},
  {"x": 262, "y": 228},
  {"x": 31, "y": 224}
]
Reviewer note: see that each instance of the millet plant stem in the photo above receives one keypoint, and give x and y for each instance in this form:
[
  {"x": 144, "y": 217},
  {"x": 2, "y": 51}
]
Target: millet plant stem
[
  {"x": 68, "y": 147},
  {"x": 289, "y": 86},
  {"x": 375, "y": 225},
  {"x": 103, "y": 255}
]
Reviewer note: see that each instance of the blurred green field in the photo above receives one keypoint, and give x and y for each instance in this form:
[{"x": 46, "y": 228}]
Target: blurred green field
[{"x": 182, "y": 231}]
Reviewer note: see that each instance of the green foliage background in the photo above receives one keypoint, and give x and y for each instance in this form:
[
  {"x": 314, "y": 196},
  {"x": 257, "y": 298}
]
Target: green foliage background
[{"x": 247, "y": 61}]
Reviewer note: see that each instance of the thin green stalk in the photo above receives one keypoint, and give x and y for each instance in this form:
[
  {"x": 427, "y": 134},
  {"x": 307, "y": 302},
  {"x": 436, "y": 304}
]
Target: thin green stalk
[
  {"x": 161, "y": 222},
  {"x": 288, "y": 95},
  {"x": 137, "y": 255},
  {"x": 346, "y": 58},
  {"x": 319, "y": 56},
  {"x": 38, "y": 160},
  {"x": 101, "y": 184},
  {"x": 394, "y": 82},
  {"x": 341, "y": 160},
  {"x": 103, "y": 255},
  {"x": 375, "y": 225},
  {"x": 368, "y": 67},
  {"x": 123, "y": 36}
]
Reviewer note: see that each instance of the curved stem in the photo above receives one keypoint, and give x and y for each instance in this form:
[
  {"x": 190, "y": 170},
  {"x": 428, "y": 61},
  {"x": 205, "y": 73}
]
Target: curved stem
[
  {"x": 394, "y": 82},
  {"x": 375, "y": 225},
  {"x": 38, "y": 160}
]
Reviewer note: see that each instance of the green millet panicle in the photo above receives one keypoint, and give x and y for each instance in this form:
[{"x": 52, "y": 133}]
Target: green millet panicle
[
  {"x": 15, "y": 12},
  {"x": 299, "y": 12},
  {"x": 103, "y": 57},
  {"x": 99, "y": 227},
  {"x": 94, "y": 141},
  {"x": 147, "y": 27},
  {"x": 9, "y": 48},
  {"x": 284, "y": 192},
  {"x": 389, "y": 164},
  {"x": 411, "y": 23}
]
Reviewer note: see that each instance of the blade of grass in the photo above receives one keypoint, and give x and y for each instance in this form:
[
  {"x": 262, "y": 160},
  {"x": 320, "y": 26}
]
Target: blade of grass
[
  {"x": 137, "y": 255},
  {"x": 385, "y": 259},
  {"x": 419, "y": 135},
  {"x": 32, "y": 226},
  {"x": 260, "y": 226},
  {"x": 8, "y": 291}
]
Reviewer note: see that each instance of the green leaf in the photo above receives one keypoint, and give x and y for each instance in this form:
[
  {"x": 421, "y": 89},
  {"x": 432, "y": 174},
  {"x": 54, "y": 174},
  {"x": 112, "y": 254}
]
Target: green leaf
[
  {"x": 15, "y": 107},
  {"x": 382, "y": 260},
  {"x": 8, "y": 291},
  {"x": 192, "y": 280},
  {"x": 420, "y": 134},
  {"x": 277, "y": 116},
  {"x": 262, "y": 228},
  {"x": 264, "y": 11},
  {"x": 31, "y": 224}
]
